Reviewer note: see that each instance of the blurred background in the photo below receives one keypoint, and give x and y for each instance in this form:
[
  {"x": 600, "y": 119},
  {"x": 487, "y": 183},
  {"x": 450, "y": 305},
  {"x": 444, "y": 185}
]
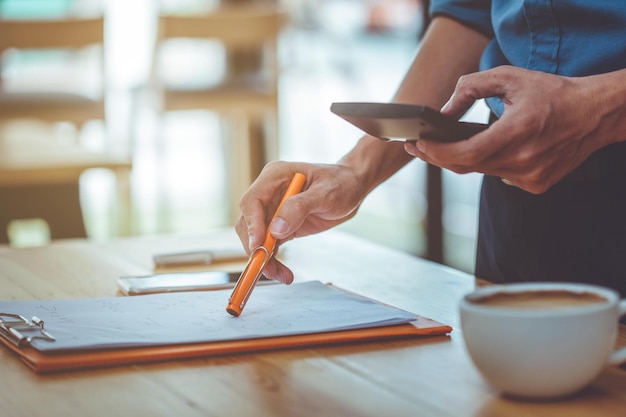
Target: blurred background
[{"x": 154, "y": 116}]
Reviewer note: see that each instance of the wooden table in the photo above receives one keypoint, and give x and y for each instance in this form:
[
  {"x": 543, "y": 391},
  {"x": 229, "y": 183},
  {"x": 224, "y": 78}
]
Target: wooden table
[{"x": 425, "y": 377}]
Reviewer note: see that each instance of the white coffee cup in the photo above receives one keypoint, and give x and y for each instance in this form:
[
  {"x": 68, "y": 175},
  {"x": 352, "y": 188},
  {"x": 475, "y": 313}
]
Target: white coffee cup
[{"x": 535, "y": 351}]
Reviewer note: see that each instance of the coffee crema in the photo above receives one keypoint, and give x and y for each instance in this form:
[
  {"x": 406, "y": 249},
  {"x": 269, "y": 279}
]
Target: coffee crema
[{"x": 540, "y": 299}]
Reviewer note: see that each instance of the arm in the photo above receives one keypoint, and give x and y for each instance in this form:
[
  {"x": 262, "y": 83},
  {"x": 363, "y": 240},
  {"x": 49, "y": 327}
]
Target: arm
[
  {"x": 448, "y": 51},
  {"x": 333, "y": 193}
]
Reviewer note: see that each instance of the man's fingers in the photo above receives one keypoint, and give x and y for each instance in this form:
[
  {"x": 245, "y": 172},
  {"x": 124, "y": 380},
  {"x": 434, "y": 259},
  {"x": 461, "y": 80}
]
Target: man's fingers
[
  {"x": 253, "y": 221},
  {"x": 476, "y": 86},
  {"x": 290, "y": 217},
  {"x": 278, "y": 271}
]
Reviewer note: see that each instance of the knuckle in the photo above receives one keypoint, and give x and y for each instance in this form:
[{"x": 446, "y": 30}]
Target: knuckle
[
  {"x": 244, "y": 201},
  {"x": 466, "y": 84},
  {"x": 272, "y": 166},
  {"x": 463, "y": 81},
  {"x": 504, "y": 72}
]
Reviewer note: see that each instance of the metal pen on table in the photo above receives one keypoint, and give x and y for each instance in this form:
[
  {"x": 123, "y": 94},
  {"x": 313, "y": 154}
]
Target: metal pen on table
[{"x": 260, "y": 256}]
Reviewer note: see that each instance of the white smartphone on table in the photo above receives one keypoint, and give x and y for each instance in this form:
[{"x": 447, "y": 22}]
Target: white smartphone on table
[{"x": 181, "y": 281}]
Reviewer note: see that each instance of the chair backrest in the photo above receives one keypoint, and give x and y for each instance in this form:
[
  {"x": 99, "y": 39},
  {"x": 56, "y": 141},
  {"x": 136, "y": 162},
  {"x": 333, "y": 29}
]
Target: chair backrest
[
  {"x": 81, "y": 76},
  {"x": 235, "y": 26},
  {"x": 68, "y": 33},
  {"x": 71, "y": 33},
  {"x": 250, "y": 27},
  {"x": 245, "y": 90}
]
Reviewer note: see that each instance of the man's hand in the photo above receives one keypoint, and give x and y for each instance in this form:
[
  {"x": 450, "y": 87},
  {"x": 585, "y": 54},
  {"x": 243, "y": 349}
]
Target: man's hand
[
  {"x": 551, "y": 124},
  {"x": 331, "y": 196}
]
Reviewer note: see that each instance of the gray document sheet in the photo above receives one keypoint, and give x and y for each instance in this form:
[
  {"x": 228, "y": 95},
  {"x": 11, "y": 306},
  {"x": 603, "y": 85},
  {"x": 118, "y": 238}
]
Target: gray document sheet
[{"x": 194, "y": 317}]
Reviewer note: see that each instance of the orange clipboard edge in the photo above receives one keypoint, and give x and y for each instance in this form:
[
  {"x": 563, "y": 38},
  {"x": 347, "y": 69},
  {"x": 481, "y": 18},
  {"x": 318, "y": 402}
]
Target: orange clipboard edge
[
  {"x": 77, "y": 360},
  {"x": 82, "y": 360}
]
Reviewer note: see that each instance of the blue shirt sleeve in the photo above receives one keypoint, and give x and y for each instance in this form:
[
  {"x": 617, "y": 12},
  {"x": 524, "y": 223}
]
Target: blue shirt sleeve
[{"x": 472, "y": 13}]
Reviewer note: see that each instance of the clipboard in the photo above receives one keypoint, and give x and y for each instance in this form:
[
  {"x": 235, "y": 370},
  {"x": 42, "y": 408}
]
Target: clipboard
[
  {"x": 405, "y": 122},
  {"x": 33, "y": 341}
]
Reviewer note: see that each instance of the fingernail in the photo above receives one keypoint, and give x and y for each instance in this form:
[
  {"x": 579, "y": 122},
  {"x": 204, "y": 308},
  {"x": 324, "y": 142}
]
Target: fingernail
[
  {"x": 279, "y": 226},
  {"x": 420, "y": 146},
  {"x": 251, "y": 242}
]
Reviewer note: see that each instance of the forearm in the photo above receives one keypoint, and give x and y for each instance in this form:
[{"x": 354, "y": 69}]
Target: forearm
[{"x": 448, "y": 51}]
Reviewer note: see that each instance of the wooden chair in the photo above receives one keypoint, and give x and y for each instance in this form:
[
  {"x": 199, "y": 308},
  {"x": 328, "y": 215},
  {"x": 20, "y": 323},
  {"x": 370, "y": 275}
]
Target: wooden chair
[
  {"x": 20, "y": 100},
  {"x": 39, "y": 176},
  {"x": 246, "y": 99}
]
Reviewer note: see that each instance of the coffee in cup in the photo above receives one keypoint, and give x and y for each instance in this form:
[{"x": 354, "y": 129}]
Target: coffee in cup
[
  {"x": 541, "y": 340},
  {"x": 540, "y": 299}
]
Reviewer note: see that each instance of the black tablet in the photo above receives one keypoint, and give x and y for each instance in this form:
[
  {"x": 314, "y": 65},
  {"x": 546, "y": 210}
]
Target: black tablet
[{"x": 402, "y": 122}]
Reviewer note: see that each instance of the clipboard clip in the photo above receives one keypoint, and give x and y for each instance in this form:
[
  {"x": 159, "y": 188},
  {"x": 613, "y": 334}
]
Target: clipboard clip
[{"x": 20, "y": 331}]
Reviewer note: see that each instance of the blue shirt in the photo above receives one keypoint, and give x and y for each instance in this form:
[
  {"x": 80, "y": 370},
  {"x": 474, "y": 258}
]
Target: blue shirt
[{"x": 565, "y": 37}]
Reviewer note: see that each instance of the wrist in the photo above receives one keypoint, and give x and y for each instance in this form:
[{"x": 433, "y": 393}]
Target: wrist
[
  {"x": 372, "y": 161},
  {"x": 608, "y": 93}
]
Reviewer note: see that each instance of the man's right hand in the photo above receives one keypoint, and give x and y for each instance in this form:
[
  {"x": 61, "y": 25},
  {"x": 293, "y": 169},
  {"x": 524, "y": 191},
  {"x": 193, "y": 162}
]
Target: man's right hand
[{"x": 331, "y": 195}]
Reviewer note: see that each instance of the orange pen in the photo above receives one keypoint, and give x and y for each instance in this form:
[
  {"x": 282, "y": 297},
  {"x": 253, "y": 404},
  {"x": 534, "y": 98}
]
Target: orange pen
[{"x": 260, "y": 256}]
